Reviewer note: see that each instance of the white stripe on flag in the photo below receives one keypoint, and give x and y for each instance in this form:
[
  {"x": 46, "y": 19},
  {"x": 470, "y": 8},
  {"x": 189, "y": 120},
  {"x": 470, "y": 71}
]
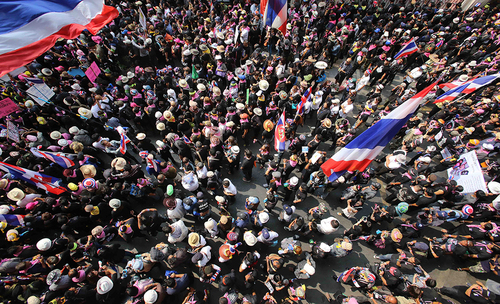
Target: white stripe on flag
[
  {"x": 48, "y": 24},
  {"x": 357, "y": 154}
]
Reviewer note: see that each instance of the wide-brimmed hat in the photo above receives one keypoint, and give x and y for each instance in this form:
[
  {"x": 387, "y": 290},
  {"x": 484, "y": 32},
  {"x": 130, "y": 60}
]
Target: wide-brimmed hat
[
  {"x": 257, "y": 111},
  {"x": 104, "y": 285},
  {"x": 88, "y": 171},
  {"x": 85, "y": 112},
  {"x": 55, "y": 135},
  {"x": 115, "y": 203},
  {"x": 268, "y": 125},
  {"x": 119, "y": 163},
  {"x": 263, "y": 85},
  {"x": 15, "y": 194},
  {"x": 46, "y": 72},
  {"x": 250, "y": 238},
  {"x": 194, "y": 239},
  {"x": 396, "y": 235},
  {"x": 321, "y": 65},
  {"x": 140, "y": 136},
  {"x": 150, "y": 296},
  {"x": 183, "y": 83},
  {"x": 327, "y": 123}
]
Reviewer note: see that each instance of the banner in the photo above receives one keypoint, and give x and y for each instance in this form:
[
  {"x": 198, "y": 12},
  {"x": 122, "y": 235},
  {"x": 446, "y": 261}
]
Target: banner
[
  {"x": 467, "y": 173},
  {"x": 7, "y": 106}
]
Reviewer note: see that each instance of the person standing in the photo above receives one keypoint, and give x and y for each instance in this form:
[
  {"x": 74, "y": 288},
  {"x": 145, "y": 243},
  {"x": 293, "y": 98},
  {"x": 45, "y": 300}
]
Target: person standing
[{"x": 247, "y": 165}]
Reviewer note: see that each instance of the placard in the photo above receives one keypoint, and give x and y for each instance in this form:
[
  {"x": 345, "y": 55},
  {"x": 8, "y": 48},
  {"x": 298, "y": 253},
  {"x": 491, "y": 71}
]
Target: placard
[
  {"x": 13, "y": 132},
  {"x": 92, "y": 72},
  {"x": 467, "y": 173},
  {"x": 7, "y": 106}
]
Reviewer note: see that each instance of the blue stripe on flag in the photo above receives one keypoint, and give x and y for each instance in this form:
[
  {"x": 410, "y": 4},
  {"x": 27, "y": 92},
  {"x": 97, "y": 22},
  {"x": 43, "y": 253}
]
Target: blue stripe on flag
[
  {"x": 380, "y": 134},
  {"x": 273, "y": 9},
  {"x": 17, "y": 13}
]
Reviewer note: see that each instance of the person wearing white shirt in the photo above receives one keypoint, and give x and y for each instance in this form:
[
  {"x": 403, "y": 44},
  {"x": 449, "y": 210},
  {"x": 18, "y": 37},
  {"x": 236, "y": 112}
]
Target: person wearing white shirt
[
  {"x": 202, "y": 257},
  {"x": 346, "y": 108},
  {"x": 176, "y": 232},
  {"x": 363, "y": 81},
  {"x": 267, "y": 236},
  {"x": 328, "y": 225}
]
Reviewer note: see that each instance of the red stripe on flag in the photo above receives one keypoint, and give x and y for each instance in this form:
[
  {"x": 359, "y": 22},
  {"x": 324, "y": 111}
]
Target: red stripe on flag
[
  {"x": 349, "y": 165},
  {"x": 12, "y": 60}
]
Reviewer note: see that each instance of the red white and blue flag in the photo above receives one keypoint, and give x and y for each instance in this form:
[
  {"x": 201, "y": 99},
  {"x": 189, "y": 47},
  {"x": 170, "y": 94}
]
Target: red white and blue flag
[
  {"x": 303, "y": 100},
  {"x": 360, "y": 152},
  {"x": 274, "y": 13},
  {"x": 153, "y": 163},
  {"x": 30, "y": 28},
  {"x": 279, "y": 134},
  {"x": 187, "y": 140},
  {"x": 62, "y": 159},
  {"x": 42, "y": 181},
  {"x": 410, "y": 48},
  {"x": 124, "y": 140},
  {"x": 466, "y": 87}
]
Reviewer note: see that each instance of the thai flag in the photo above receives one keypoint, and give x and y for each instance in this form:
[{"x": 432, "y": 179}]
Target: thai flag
[
  {"x": 42, "y": 181},
  {"x": 452, "y": 94},
  {"x": 360, "y": 152},
  {"x": 275, "y": 13},
  {"x": 466, "y": 87},
  {"x": 30, "y": 28},
  {"x": 410, "y": 48},
  {"x": 61, "y": 159},
  {"x": 124, "y": 140},
  {"x": 305, "y": 98},
  {"x": 143, "y": 154},
  {"x": 440, "y": 43},
  {"x": 153, "y": 164},
  {"x": 187, "y": 140},
  {"x": 279, "y": 134}
]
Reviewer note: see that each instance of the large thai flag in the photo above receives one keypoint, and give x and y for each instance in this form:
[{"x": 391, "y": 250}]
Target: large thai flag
[
  {"x": 305, "y": 98},
  {"x": 42, "y": 181},
  {"x": 30, "y": 28},
  {"x": 124, "y": 140},
  {"x": 61, "y": 159},
  {"x": 410, "y": 48},
  {"x": 360, "y": 152},
  {"x": 466, "y": 87},
  {"x": 279, "y": 134},
  {"x": 274, "y": 13}
]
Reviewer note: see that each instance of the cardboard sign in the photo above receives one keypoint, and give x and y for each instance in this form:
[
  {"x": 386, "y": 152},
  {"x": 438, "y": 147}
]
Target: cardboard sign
[
  {"x": 40, "y": 92},
  {"x": 92, "y": 72},
  {"x": 13, "y": 132},
  {"x": 7, "y": 106}
]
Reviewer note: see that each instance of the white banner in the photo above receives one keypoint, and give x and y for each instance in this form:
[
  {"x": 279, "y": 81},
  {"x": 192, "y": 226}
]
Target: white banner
[
  {"x": 467, "y": 172},
  {"x": 41, "y": 93}
]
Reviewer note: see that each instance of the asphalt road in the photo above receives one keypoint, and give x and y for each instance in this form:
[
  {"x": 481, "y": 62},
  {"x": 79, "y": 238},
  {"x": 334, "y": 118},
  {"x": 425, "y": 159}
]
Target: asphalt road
[{"x": 442, "y": 270}]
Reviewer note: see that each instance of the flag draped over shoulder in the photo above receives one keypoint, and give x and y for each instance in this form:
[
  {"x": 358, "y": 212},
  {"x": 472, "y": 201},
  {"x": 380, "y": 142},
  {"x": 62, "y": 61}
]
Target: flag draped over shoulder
[
  {"x": 30, "y": 28},
  {"x": 62, "y": 159},
  {"x": 303, "y": 100},
  {"x": 274, "y": 13},
  {"x": 360, "y": 152},
  {"x": 42, "y": 181}
]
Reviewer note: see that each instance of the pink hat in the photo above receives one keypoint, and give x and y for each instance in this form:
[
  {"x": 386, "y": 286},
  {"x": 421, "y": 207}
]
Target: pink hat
[
  {"x": 97, "y": 39},
  {"x": 80, "y": 53},
  {"x": 31, "y": 138},
  {"x": 59, "y": 68},
  {"x": 479, "y": 111}
]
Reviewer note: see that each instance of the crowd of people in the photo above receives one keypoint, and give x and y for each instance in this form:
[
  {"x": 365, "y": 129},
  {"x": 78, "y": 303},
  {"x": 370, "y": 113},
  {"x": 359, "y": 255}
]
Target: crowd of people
[{"x": 193, "y": 95}]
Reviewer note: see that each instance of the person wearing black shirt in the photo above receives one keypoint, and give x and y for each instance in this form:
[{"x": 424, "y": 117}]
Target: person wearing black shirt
[{"x": 247, "y": 165}]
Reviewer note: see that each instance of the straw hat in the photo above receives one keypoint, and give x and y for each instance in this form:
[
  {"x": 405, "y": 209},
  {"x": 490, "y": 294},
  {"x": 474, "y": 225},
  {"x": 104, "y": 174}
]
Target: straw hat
[
  {"x": 3, "y": 183},
  {"x": 115, "y": 203},
  {"x": 396, "y": 235},
  {"x": 85, "y": 112},
  {"x": 140, "y": 136},
  {"x": 15, "y": 194},
  {"x": 167, "y": 114},
  {"x": 88, "y": 171},
  {"x": 76, "y": 146},
  {"x": 221, "y": 49},
  {"x": 119, "y": 163},
  {"x": 327, "y": 122},
  {"x": 268, "y": 125},
  {"x": 194, "y": 239},
  {"x": 201, "y": 87},
  {"x": 74, "y": 130},
  {"x": 240, "y": 106},
  {"x": 257, "y": 111},
  {"x": 183, "y": 84}
]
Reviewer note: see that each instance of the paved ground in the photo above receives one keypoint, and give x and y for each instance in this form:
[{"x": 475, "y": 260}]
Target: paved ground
[{"x": 321, "y": 282}]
